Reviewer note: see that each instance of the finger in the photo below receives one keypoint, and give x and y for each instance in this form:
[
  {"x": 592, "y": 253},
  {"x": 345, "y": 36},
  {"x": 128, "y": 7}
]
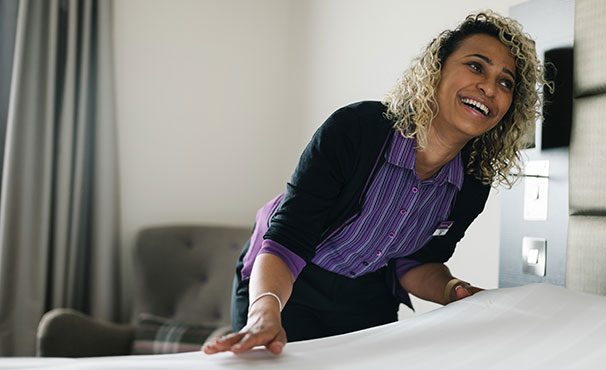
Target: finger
[
  {"x": 461, "y": 292},
  {"x": 278, "y": 343},
  {"x": 275, "y": 347},
  {"x": 247, "y": 342},
  {"x": 251, "y": 340},
  {"x": 210, "y": 348},
  {"x": 214, "y": 347},
  {"x": 230, "y": 339},
  {"x": 223, "y": 343}
]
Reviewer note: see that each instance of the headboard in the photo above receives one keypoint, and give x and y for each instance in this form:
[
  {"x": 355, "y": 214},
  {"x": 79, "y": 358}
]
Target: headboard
[{"x": 586, "y": 250}]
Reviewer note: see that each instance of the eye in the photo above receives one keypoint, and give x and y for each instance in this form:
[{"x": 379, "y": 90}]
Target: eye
[
  {"x": 475, "y": 66},
  {"x": 507, "y": 84}
]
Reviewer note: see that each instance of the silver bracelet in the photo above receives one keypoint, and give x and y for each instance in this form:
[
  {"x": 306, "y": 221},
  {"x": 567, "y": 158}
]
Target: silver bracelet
[
  {"x": 263, "y": 295},
  {"x": 448, "y": 288}
]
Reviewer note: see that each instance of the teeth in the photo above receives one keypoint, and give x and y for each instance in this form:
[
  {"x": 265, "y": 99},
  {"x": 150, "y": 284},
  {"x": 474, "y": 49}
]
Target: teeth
[{"x": 484, "y": 109}]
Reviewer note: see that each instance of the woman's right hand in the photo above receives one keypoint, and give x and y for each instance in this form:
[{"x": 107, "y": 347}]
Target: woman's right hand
[{"x": 263, "y": 327}]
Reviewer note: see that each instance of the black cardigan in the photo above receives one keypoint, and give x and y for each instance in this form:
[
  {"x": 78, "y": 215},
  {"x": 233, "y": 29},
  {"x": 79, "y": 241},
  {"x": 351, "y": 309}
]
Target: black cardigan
[{"x": 327, "y": 189}]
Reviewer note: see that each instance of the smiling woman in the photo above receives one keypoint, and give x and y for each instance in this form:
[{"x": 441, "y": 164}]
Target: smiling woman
[
  {"x": 475, "y": 90},
  {"x": 384, "y": 192},
  {"x": 413, "y": 104}
]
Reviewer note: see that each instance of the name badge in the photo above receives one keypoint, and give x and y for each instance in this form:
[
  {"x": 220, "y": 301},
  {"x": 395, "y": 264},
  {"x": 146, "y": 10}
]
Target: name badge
[{"x": 443, "y": 228}]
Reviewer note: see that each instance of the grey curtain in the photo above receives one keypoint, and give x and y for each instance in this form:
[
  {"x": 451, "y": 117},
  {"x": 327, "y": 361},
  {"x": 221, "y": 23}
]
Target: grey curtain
[
  {"x": 59, "y": 200},
  {"x": 8, "y": 23}
]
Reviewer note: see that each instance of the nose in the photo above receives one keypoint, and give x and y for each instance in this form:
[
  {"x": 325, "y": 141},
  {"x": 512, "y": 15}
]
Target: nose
[{"x": 487, "y": 88}]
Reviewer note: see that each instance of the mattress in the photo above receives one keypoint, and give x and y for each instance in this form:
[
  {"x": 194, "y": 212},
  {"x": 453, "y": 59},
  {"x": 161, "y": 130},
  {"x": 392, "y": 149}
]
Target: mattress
[{"x": 536, "y": 326}]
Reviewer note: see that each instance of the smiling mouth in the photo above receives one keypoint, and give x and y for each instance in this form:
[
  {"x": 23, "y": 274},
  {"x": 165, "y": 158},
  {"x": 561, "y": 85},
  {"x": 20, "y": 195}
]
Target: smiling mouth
[{"x": 476, "y": 105}]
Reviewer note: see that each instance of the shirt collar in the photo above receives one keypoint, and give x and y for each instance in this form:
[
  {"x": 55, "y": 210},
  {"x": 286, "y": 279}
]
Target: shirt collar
[
  {"x": 452, "y": 172},
  {"x": 402, "y": 153}
]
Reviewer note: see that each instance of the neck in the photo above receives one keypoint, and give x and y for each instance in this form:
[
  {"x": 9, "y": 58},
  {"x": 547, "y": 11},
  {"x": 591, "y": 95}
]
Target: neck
[{"x": 438, "y": 151}]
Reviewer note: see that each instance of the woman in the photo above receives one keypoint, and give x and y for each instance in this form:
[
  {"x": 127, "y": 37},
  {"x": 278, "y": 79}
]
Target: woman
[{"x": 384, "y": 191}]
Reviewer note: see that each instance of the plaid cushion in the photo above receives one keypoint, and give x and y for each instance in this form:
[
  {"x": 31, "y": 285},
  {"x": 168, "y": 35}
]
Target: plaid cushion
[{"x": 156, "y": 335}]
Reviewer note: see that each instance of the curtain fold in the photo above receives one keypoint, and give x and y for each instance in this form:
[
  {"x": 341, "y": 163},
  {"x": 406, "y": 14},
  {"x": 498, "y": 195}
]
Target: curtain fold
[
  {"x": 59, "y": 226},
  {"x": 8, "y": 23}
]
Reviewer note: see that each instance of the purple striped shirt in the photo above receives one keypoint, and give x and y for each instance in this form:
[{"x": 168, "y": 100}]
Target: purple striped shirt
[{"x": 399, "y": 215}]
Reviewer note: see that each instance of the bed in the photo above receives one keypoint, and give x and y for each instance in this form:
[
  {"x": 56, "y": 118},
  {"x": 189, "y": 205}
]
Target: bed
[{"x": 537, "y": 326}]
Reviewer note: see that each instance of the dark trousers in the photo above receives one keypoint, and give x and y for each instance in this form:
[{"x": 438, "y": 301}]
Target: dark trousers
[{"x": 323, "y": 303}]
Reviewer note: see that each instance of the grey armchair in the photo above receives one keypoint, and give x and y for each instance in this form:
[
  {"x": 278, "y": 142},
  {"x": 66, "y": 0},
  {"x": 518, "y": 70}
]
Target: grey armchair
[{"x": 184, "y": 273}]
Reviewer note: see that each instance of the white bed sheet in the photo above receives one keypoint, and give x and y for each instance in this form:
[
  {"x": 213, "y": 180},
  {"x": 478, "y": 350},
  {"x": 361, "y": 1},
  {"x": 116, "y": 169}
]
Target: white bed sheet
[{"x": 537, "y": 326}]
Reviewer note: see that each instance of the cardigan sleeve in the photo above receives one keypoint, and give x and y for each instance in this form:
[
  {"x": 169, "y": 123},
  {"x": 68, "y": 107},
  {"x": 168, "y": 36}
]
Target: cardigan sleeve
[
  {"x": 258, "y": 245},
  {"x": 326, "y": 165}
]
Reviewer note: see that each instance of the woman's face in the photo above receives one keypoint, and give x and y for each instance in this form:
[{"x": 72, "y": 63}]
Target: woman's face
[{"x": 476, "y": 88}]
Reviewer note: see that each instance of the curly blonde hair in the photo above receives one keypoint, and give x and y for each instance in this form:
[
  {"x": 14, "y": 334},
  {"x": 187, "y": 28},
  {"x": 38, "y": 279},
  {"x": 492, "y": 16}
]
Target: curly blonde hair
[{"x": 494, "y": 157}]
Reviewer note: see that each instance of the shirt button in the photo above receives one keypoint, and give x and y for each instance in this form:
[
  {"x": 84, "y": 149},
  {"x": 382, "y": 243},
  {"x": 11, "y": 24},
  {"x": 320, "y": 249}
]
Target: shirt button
[
  {"x": 403, "y": 211},
  {"x": 391, "y": 235},
  {"x": 414, "y": 189},
  {"x": 365, "y": 263},
  {"x": 379, "y": 253},
  {"x": 352, "y": 273}
]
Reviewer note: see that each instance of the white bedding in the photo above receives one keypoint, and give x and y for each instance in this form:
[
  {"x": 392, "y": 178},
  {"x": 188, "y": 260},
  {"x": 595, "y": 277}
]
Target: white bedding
[{"x": 532, "y": 327}]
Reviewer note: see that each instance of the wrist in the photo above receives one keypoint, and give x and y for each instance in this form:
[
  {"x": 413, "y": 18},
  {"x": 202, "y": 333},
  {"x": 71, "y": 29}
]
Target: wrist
[
  {"x": 265, "y": 301},
  {"x": 264, "y": 309}
]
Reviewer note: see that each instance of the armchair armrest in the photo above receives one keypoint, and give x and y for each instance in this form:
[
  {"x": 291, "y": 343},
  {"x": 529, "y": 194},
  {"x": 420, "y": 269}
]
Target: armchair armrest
[{"x": 67, "y": 333}]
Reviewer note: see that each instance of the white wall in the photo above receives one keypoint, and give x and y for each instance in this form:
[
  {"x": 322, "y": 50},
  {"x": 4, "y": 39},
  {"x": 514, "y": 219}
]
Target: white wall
[
  {"x": 217, "y": 98},
  {"x": 206, "y": 109}
]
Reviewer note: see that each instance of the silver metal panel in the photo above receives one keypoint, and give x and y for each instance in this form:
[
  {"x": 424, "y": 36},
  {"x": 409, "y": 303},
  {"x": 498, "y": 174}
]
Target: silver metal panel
[
  {"x": 534, "y": 251},
  {"x": 586, "y": 255},
  {"x": 554, "y": 229},
  {"x": 536, "y": 190},
  {"x": 551, "y": 25},
  {"x": 588, "y": 156},
  {"x": 590, "y": 47}
]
